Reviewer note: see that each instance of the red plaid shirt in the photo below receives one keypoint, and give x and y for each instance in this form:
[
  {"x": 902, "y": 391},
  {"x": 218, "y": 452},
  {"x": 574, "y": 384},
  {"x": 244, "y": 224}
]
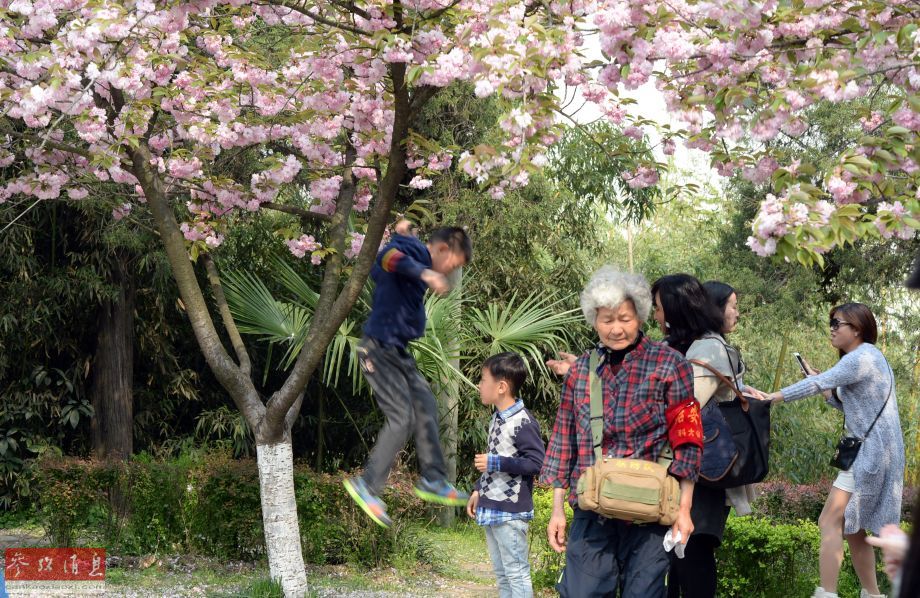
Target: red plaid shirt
[{"x": 651, "y": 379}]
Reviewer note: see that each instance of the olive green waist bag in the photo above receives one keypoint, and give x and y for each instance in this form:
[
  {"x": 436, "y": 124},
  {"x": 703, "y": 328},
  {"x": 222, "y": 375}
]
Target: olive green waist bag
[{"x": 629, "y": 489}]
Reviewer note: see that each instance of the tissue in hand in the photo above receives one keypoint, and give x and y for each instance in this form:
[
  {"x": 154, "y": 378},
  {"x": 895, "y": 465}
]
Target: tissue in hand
[{"x": 674, "y": 542}]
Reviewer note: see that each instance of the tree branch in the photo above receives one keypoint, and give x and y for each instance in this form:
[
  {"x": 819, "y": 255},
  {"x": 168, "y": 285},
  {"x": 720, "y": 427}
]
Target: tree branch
[
  {"x": 323, "y": 329},
  {"x": 229, "y": 324},
  {"x": 315, "y": 17},
  {"x": 296, "y": 211},
  {"x": 231, "y": 378}
]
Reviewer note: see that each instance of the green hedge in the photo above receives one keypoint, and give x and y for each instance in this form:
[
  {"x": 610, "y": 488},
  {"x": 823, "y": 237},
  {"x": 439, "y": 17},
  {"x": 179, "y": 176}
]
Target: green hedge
[
  {"x": 759, "y": 557},
  {"x": 209, "y": 504}
]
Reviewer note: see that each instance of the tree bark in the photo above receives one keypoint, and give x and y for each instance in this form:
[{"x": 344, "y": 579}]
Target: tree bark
[
  {"x": 448, "y": 405},
  {"x": 112, "y": 371},
  {"x": 279, "y": 517}
]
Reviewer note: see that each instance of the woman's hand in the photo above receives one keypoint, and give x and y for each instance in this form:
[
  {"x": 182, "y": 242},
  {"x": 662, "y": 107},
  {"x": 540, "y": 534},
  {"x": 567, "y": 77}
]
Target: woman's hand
[
  {"x": 750, "y": 391},
  {"x": 683, "y": 526},
  {"x": 811, "y": 371},
  {"x": 773, "y": 397},
  {"x": 555, "y": 531},
  {"x": 561, "y": 366}
]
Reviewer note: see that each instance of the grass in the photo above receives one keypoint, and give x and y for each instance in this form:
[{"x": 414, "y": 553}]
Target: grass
[{"x": 436, "y": 561}]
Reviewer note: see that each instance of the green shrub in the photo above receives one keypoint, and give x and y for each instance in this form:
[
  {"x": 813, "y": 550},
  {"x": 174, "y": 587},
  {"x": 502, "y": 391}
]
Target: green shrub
[
  {"x": 546, "y": 563},
  {"x": 209, "y": 503},
  {"x": 69, "y": 491},
  {"x": 784, "y": 502},
  {"x": 334, "y": 530},
  {"x": 156, "y": 496},
  {"x": 789, "y": 503},
  {"x": 762, "y": 558},
  {"x": 264, "y": 588},
  {"x": 224, "y": 508}
]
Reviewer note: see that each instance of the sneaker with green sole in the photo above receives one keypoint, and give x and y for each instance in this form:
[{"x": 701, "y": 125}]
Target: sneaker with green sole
[
  {"x": 440, "y": 492},
  {"x": 369, "y": 503}
]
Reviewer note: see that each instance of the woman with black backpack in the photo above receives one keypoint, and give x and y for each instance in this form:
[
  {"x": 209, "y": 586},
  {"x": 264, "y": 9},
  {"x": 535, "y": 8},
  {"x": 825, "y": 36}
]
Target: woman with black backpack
[{"x": 693, "y": 321}]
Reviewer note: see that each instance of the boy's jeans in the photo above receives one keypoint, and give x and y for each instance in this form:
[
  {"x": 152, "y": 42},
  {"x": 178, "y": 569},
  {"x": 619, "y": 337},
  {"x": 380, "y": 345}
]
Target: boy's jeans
[
  {"x": 508, "y": 548},
  {"x": 410, "y": 408}
]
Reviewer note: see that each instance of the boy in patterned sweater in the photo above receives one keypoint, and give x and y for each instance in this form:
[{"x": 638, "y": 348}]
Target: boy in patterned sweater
[{"x": 503, "y": 500}]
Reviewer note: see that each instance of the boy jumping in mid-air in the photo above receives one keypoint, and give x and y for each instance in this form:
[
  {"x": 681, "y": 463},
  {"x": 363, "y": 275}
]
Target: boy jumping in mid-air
[
  {"x": 404, "y": 269},
  {"x": 503, "y": 500}
]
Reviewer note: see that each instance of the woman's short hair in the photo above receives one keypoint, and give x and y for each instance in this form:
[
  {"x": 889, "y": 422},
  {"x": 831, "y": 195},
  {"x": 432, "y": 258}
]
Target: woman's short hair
[
  {"x": 688, "y": 309},
  {"x": 610, "y": 287},
  {"x": 860, "y": 317}
]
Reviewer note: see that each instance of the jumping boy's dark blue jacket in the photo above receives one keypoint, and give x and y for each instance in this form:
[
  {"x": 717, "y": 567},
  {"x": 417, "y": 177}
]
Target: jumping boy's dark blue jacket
[{"x": 398, "y": 306}]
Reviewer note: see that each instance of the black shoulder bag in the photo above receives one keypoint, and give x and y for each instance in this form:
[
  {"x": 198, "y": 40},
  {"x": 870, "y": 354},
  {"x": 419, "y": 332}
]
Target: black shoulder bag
[
  {"x": 849, "y": 446},
  {"x": 749, "y": 423}
]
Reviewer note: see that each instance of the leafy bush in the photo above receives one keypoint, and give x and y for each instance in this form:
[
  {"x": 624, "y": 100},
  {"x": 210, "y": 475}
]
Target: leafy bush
[
  {"x": 156, "y": 495},
  {"x": 760, "y": 557},
  {"x": 69, "y": 491},
  {"x": 546, "y": 563},
  {"x": 224, "y": 508},
  {"x": 265, "y": 588},
  {"x": 209, "y": 503},
  {"x": 784, "y": 502},
  {"x": 334, "y": 530},
  {"x": 789, "y": 503}
]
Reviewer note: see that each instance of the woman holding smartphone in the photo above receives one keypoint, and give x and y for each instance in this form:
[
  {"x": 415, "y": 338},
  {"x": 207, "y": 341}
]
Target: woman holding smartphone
[{"x": 868, "y": 495}]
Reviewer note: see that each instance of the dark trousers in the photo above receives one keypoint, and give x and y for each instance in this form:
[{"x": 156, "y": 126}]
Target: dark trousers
[
  {"x": 694, "y": 576},
  {"x": 410, "y": 408},
  {"x": 607, "y": 555}
]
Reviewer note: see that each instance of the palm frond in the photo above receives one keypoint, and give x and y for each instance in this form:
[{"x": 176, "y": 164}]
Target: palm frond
[
  {"x": 294, "y": 283},
  {"x": 441, "y": 345},
  {"x": 258, "y": 313},
  {"x": 531, "y": 326}
]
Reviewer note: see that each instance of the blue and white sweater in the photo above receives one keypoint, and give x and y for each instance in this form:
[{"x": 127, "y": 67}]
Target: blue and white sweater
[{"x": 515, "y": 456}]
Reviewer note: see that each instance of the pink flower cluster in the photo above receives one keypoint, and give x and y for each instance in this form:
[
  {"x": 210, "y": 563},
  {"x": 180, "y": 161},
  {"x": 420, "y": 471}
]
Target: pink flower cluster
[
  {"x": 644, "y": 176},
  {"x": 187, "y": 85},
  {"x": 890, "y": 221},
  {"x": 304, "y": 245},
  {"x": 354, "y": 247}
]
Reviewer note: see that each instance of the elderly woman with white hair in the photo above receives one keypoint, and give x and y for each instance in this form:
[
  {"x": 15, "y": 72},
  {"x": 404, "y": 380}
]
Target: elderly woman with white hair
[{"x": 648, "y": 404}]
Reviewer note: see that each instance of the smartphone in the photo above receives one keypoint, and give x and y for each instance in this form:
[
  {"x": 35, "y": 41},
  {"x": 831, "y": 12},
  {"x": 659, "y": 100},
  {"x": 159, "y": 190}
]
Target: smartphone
[{"x": 798, "y": 357}]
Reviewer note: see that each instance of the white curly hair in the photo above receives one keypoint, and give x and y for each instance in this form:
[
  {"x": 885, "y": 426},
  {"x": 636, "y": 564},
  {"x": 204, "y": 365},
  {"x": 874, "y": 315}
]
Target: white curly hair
[{"x": 610, "y": 287}]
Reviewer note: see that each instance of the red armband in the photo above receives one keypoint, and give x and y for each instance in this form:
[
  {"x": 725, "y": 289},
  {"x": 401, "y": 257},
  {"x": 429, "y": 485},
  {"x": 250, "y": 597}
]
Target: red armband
[{"x": 685, "y": 425}]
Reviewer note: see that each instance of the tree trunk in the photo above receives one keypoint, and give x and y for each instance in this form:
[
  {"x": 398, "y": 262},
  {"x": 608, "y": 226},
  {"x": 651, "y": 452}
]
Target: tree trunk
[
  {"x": 279, "y": 517},
  {"x": 448, "y": 403},
  {"x": 320, "y": 429},
  {"x": 112, "y": 372}
]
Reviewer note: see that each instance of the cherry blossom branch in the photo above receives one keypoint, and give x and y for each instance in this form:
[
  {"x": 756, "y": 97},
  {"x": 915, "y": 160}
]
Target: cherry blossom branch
[
  {"x": 228, "y": 373},
  {"x": 296, "y": 211},
  {"x": 352, "y": 8},
  {"x": 315, "y": 17}
]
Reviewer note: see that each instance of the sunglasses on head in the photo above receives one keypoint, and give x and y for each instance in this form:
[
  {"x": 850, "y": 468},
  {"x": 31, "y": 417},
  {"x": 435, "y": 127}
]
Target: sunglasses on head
[{"x": 835, "y": 323}]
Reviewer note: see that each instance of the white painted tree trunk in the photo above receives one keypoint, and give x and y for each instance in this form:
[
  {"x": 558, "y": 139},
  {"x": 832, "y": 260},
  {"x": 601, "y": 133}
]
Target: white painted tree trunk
[{"x": 279, "y": 517}]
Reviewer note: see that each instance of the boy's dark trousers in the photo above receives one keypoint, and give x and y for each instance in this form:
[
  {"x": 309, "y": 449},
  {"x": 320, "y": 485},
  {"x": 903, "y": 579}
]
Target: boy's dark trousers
[{"x": 410, "y": 408}]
